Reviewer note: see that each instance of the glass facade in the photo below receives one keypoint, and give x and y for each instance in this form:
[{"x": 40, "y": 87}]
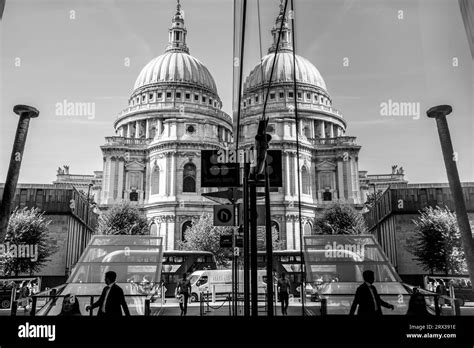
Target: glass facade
[
  {"x": 137, "y": 261},
  {"x": 334, "y": 268}
]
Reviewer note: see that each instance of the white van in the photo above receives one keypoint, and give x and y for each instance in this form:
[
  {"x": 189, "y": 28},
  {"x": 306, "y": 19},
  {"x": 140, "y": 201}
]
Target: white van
[{"x": 219, "y": 281}]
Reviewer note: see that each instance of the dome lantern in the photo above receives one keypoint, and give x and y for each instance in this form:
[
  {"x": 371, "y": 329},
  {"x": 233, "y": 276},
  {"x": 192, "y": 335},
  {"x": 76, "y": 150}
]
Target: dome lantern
[
  {"x": 285, "y": 40},
  {"x": 177, "y": 32}
]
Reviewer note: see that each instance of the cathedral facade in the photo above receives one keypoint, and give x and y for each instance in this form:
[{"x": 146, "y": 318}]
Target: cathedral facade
[
  {"x": 174, "y": 112},
  {"x": 328, "y": 158}
]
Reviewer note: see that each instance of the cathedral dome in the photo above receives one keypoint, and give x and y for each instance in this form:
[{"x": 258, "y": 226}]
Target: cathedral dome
[
  {"x": 306, "y": 72},
  {"x": 176, "y": 66}
]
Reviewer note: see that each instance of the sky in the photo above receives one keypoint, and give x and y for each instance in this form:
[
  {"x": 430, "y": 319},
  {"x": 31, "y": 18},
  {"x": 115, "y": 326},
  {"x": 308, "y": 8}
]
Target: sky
[{"x": 369, "y": 52}]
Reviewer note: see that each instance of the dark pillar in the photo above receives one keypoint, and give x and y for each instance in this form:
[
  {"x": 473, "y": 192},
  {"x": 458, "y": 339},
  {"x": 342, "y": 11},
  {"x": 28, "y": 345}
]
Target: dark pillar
[
  {"x": 26, "y": 113},
  {"x": 439, "y": 113},
  {"x": 253, "y": 248},
  {"x": 246, "y": 242},
  {"x": 269, "y": 244}
]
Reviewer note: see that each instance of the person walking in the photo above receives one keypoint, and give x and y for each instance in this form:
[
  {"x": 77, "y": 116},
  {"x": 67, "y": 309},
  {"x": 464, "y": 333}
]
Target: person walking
[
  {"x": 183, "y": 289},
  {"x": 24, "y": 296},
  {"x": 367, "y": 298},
  {"x": 283, "y": 290},
  {"x": 417, "y": 304},
  {"x": 70, "y": 306},
  {"x": 112, "y": 299},
  {"x": 441, "y": 291}
]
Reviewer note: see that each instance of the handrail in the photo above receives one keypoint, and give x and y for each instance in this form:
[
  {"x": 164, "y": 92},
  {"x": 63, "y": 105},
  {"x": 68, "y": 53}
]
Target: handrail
[{"x": 34, "y": 300}]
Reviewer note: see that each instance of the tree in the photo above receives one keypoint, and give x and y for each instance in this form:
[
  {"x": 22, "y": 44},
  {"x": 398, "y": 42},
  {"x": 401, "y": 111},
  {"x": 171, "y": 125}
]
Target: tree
[
  {"x": 436, "y": 244},
  {"x": 27, "y": 235},
  {"x": 340, "y": 219},
  {"x": 262, "y": 239},
  {"x": 202, "y": 235},
  {"x": 369, "y": 203},
  {"x": 123, "y": 218}
]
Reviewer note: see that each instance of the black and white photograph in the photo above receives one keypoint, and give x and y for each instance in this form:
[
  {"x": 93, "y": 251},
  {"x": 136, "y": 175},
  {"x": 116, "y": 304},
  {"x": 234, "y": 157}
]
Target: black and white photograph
[{"x": 236, "y": 173}]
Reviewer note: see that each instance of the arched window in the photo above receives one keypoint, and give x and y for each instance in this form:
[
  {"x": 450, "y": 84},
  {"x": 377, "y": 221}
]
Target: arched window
[
  {"x": 184, "y": 227},
  {"x": 189, "y": 178},
  {"x": 305, "y": 182},
  {"x": 155, "y": 181}
]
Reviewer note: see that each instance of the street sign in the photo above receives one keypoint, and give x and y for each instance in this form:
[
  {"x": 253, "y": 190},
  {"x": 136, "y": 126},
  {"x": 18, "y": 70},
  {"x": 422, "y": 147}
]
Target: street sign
[
  {"x": 215, "y": 174},
  {"x": 226, "y": 241},
  {"x": 224, "y": 215}
]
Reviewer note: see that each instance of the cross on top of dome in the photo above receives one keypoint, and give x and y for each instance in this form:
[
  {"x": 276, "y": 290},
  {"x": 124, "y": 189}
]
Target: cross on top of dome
[{"x": 177, "y": 32}]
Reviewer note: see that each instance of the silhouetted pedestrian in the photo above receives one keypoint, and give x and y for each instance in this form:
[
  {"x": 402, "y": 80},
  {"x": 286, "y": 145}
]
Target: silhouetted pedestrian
[
  {"x": 283, "y": 289},
  {"x": 417, "y": 304},
  {"x": 70, "y": 306},
  {"x": 441, "y": 291},
  {"x": 183, "y": 289},
  {"x": 367, "y": 298},
  {"x": 112, "y": 300}
]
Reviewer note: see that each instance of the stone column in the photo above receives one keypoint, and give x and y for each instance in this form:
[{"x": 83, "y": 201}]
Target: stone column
[
  {"x": 289, "y": 234},
  {"x": 111, "y": 182},
  {"x": 340, "y": 179},
  {"x": 147, "y": 129},
  {"x": 350, "y": 186},
  {"x": 26, "y": 113},
  {"x": 296, "y": 174},
  {"x": 331, "y": 130},
  {"x": 322, "y": 131},
  {"x": 121, "y": 164},
  {"x": 287, "y": 173},
  {"x": 137, "y": 129},
  {"x": 129, "y": 131},
  {"x": 173, "y": 175}
]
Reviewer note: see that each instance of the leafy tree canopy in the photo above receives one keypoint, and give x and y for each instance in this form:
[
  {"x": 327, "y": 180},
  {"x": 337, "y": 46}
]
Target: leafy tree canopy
[
  {"x": 436, "y": 243},
  {"x": 340, "y": 219},
  {"x": 123, "y": 218}
]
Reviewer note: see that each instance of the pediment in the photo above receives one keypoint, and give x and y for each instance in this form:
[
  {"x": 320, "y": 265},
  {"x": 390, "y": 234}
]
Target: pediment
[
  {"x": 325, "y": 165},
  {"x": 135, "y": 165}
]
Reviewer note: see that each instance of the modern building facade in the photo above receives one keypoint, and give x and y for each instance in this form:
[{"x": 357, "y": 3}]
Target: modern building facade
[
  {"x": 392, "y": 220},
  {"x": 72, "y": 224}
]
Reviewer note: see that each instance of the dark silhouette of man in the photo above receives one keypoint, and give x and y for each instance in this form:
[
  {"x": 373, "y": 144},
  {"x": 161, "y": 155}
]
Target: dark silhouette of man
[
  {"x": 183, "y": 289},
  {"x": 112, "y": 300},
  {"x": 367, "y": 298},
  {"x": 283, "y": 288}
]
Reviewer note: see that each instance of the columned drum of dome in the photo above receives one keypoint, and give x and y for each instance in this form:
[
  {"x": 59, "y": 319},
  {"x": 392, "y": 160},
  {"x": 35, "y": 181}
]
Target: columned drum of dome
[
  {"x": 328, "y": 158},
  {"x": 173, "y": 112}
]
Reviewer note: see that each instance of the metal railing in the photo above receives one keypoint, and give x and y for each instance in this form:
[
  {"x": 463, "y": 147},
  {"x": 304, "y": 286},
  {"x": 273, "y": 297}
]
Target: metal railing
[
  {"x": 432, "y": 302},
  {"x": 51, "y": 299}
]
